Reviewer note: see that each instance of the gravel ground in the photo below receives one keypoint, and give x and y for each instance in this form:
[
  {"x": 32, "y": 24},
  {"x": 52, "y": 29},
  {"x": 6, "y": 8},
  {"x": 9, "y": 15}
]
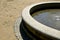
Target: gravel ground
[{"x": 10, "y": 10}]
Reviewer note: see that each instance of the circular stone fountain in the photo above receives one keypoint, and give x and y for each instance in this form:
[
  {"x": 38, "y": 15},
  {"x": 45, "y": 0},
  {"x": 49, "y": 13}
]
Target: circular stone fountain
[{"x": 39, "y": 21}]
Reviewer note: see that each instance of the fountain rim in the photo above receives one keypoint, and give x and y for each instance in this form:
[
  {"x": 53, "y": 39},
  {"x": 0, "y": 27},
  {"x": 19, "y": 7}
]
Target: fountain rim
[{"x": 37, "y": 25}]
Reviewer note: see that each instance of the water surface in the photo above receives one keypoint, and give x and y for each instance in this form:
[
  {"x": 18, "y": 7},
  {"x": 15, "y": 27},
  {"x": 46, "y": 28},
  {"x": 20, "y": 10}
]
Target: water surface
[{"x": 50, "y": 17}]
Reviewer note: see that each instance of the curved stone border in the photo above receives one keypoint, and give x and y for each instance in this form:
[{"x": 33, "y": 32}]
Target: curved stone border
[
  {"x": 17, "y": 28},
  {"x": 38, "y": 26},
  {"x": 25, "y": 15}
]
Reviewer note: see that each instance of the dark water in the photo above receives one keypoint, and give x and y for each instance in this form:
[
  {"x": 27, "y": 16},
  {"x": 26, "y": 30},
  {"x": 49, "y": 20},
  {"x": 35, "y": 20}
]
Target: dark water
[{"x": 50, "y": 17}]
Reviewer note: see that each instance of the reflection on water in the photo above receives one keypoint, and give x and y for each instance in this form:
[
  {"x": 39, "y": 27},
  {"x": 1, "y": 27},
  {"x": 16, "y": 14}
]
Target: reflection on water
[{"x": 50, "y": 17}]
